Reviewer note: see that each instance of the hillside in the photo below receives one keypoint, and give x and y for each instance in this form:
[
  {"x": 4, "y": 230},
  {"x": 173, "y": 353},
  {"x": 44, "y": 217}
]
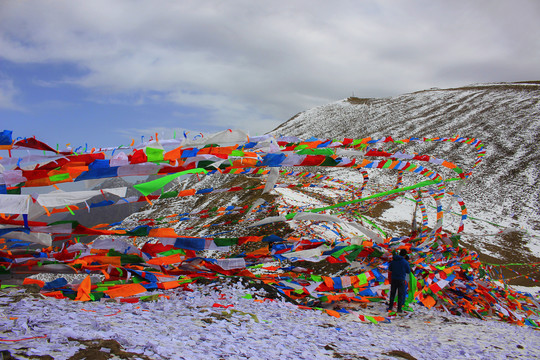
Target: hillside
[{"x": 506, "y": 117}]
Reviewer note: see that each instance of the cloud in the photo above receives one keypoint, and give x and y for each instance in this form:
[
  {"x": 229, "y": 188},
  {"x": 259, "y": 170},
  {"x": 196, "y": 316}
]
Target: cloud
[
  {"x": 8, "y": 93},
  {"x": 253, "y": 64}
]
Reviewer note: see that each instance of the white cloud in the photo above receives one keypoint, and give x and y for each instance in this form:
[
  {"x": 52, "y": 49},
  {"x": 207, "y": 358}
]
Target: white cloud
[
  {"x": 256, "y": 64},
  {"x": 8, "y": 93}
]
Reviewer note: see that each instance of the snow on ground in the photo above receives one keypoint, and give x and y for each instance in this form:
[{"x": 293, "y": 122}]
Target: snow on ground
[
  {"x": 401, "y": 210},
  {"x": 534, "y": 290},
  {"x": 190, "y": 325},
  {"x": 296, "y": 198}
]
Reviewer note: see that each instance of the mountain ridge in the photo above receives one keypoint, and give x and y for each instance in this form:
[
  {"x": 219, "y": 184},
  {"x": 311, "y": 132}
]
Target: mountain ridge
[
  {"x": 510, "y": 144},
  {"x": 503, "y": 189}
]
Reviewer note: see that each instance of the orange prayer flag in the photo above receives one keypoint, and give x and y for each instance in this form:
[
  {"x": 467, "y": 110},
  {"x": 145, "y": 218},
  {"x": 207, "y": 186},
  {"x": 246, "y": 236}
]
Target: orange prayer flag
[
  {"x": 163, "y": 232},
  {"x": 428, "y": 302},
  {"x": 75, "y": 171},
  {"x": 28, "y": 281},
  {"x": 169, "y": 284},
  {"x": 328, "y": 281},
  {"x": 106, "y": 274},
  {"x": 242, "y": 163},
  {"x": 126, "y": 290},
  {"x": 245, "y": 273},
  {"x": 250, "y": 154},
  {"x": 55, "y": 294},
  {"x": 333, "y": 313},
  {"x": 365, "y": 162},
  {"x": 104, "y": 260},
  {"x": 173, "y": 154},
  {"x": 224, "y": 150},
  {"x": 83, "y": 292},
  {"x": 367, "y": 243},
  {"x": 259, "y": 252},
  {"x": 244, "y": 239},
  {"x": 188, "y": 192},
  {"x": 38, "y": 182},
  {"x": 166, "y": 260},
  {"x": 99, "y": 251},
  {"x": 448, "y": 164},
  {"x": 47, "y": 211}
]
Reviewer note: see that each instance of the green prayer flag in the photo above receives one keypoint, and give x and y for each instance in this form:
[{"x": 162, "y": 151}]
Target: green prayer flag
[
  {"x": 225, "y": 241},
  {"x": 172, "y": 252},
  {"x": 169, "y": 194},
  {"x": 149, "y": 187},
  {"x": 370, "y": 318},
  {"x": 59, "y": 177},
  {"x": 154, "y": 155},
  {"x": 362, "y": 279},
  {"x": 413, "y": 285},
  {"x": 327, "y": 152},
  {"x": 393, "y": 191}
]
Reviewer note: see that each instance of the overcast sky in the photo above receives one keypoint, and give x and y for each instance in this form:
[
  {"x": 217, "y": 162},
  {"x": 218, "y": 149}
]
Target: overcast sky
[{"x": 104, "y": 72}]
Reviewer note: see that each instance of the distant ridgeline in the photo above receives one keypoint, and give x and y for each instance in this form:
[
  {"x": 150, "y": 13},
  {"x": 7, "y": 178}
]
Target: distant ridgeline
[{"x": 157, "y": 256}]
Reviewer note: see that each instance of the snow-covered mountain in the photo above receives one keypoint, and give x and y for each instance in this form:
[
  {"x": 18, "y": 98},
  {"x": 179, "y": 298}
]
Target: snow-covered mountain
[{"x": 504, "y": 189}]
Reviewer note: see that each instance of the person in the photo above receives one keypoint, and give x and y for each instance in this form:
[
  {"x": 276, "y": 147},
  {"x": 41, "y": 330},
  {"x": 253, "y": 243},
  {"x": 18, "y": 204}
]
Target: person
[{"x": 397, "y": 272}]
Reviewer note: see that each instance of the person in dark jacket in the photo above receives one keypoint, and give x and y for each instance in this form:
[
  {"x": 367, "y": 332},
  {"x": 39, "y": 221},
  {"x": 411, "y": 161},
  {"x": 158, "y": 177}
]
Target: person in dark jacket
[{"x": 397, "y": 272}]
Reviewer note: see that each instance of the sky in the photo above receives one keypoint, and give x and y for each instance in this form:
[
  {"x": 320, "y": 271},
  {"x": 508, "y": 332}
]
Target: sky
[{"x": 103, "y": 73}]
